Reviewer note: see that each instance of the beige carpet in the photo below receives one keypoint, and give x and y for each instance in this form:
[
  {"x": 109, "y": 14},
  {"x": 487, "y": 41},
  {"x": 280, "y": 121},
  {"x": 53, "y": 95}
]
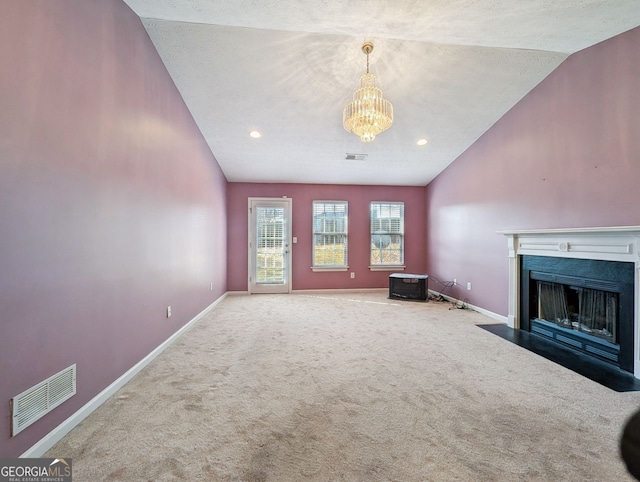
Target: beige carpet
[{"x": 350, "y": 387}]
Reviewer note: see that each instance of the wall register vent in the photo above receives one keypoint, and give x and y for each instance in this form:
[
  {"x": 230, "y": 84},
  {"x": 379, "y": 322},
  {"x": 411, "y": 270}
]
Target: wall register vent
[{"x": 37, "y": 401}]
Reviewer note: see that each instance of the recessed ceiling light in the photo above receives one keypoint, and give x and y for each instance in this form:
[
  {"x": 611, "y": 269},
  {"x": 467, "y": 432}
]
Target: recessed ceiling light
[
  {"x": 422, "y": 142},
  {"x": 255, "y": 134}
]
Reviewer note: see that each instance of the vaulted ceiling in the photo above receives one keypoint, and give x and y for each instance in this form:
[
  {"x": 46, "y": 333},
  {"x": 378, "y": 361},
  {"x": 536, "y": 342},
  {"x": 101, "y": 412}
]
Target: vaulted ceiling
[{"x": 287, "y": 68}]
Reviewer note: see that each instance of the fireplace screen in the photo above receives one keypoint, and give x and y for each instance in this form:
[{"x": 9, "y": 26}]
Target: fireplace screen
[{"x": 590, "y": 311}]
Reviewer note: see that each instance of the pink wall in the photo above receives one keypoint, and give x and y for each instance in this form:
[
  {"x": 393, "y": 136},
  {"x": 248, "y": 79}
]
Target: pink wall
[
  {"x": 302, "y": 196},
  {"x": 567, "y": 155},
  {"x": 112, "y": 207}
]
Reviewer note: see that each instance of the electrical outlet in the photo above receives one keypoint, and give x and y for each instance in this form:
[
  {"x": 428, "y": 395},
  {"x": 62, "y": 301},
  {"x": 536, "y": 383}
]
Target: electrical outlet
[
  {"x": 469, "y": 285},
  {"x": 455, "y": 281},
  {"x": 211, "y": 288},
  {"x": 168, "y": 312},
  {"x": 353, "y": 275}
]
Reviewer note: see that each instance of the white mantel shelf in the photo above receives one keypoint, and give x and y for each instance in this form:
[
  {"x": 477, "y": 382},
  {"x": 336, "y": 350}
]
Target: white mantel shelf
[
  {"x": 600, "y": 230},
  {"x": 616, "y": 243}
]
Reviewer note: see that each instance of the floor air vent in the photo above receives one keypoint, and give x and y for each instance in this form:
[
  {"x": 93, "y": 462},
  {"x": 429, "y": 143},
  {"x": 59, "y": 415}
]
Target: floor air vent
[{"x": 34, "y": 403}]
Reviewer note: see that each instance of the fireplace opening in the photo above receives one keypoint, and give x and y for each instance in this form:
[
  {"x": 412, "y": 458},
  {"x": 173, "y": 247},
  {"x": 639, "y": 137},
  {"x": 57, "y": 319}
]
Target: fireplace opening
[
  {"x": 584, "y": 305},
  {"x": 585, "y": 310}
]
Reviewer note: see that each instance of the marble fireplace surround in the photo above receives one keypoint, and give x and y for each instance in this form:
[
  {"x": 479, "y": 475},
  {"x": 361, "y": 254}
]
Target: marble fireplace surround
[{"x": 618, "y": 243}]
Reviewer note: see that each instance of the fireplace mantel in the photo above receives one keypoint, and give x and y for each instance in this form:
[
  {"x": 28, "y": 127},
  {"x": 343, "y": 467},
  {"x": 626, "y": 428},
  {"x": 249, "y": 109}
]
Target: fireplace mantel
[{"x": 617, "y": 243}]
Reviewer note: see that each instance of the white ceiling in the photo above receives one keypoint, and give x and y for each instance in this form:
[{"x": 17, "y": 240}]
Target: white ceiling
[{"x": 451, "y": 68}]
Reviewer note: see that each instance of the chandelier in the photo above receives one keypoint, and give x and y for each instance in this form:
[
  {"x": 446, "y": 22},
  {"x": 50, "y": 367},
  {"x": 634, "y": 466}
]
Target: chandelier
[{"x": 369, "y": 113}]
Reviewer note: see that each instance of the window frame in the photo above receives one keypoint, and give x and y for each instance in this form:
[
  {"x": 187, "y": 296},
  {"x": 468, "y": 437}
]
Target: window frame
[
  {"x": 389, "y": 205},
  {"x": 315, "y": 232}
]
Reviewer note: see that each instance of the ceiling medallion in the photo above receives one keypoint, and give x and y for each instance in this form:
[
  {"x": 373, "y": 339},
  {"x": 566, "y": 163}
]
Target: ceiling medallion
[{"x": 369, "y": 113}]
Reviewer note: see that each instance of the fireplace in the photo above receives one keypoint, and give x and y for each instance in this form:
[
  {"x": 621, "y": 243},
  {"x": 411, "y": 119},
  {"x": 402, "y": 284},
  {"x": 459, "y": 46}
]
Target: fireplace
[
  {"x": 579, "y": 287},
  {"x": 585, "y": 305}
]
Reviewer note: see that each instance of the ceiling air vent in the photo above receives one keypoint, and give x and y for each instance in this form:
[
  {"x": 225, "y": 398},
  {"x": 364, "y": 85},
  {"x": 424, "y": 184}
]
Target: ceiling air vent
[
  {"x": 37, "y": 401},
  {"x": 356, "y": 157}
]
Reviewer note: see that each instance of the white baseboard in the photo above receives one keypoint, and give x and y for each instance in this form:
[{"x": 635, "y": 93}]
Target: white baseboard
[
  {"x": 490, "y": 314},
  {"x": 69, "y": 424},
  {"x": 316, "y": 291},
  {"x": 344, "y": 290}
]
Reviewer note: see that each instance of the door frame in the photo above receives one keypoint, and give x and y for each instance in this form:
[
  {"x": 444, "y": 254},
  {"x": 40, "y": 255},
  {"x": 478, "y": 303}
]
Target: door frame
[{"x": 287, "y": 203}]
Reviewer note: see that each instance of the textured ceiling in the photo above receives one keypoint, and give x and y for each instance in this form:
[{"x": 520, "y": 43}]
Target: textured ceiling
[{"x": 451, "y": 68}]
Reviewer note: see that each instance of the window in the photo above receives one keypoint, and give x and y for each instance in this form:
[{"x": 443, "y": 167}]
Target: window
[
  {"x": 387, "y": 234},
  {"x": 330, "y": 234}
]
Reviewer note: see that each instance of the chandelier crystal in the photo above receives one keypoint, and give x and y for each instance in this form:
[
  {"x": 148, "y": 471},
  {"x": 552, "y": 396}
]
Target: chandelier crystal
[{"x": 369, "y": 113}]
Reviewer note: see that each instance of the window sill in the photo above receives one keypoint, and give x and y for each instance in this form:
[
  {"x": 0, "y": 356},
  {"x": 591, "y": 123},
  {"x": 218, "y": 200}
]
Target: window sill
[
  {"x": 387, "y": 268},
  {"x": 317, "y": 269}
]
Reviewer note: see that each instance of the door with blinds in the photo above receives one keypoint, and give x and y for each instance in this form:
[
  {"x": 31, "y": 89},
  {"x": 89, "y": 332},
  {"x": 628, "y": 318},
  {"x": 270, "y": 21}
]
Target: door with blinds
[{"x": 269, "y": 245}]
